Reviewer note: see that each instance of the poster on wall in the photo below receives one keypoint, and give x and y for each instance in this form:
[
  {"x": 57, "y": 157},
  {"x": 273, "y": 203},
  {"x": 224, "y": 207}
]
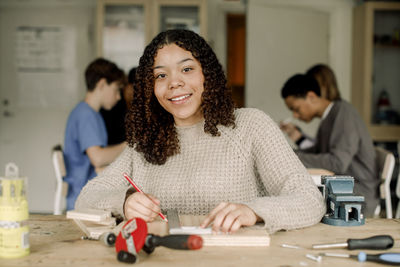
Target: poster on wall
[
  {"x": 45, "y": 61},
  {"x": 38, "y": 49}
]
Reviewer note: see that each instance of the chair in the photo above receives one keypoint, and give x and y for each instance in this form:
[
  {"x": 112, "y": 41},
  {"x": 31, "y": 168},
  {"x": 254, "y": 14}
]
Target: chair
[
  {"x": 61, "y": 186},
  {"x": 385, "y": 160},
  {"x": 398, "y": 186}
]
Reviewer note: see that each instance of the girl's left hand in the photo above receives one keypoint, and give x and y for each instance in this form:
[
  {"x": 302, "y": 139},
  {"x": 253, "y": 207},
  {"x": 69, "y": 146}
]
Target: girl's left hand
[{"x": 229, "y": 217}]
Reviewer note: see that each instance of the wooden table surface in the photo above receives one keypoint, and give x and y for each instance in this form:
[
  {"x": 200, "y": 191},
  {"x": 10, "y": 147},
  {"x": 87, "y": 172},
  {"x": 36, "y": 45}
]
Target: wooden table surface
[{"x": 56, "y": 241}]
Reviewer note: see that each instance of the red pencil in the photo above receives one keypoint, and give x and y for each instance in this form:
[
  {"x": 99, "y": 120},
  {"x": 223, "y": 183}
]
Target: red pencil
[{"x": 140, "y": 190}]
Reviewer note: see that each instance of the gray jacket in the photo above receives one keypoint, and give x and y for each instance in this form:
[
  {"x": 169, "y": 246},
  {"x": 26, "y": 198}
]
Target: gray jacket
[{"x": 344, "y": 146}]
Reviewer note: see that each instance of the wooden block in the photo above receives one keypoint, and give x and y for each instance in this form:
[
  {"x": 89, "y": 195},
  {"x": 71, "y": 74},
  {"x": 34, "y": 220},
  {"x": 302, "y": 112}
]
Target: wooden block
[
  {"x": 89, "y": 215},
  {"x": 190, "y": 230},
  {"x": 106, "y": 222},
  {"x": 92, "y": 222},
  {"x": 245, "y": 236},
  {"x": 96, "y": 232}
]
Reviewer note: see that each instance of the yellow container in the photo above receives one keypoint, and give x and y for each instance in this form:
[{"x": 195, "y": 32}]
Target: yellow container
[
  {"x": 14, "y": 232},
  {"x": 14, "y": 240}
]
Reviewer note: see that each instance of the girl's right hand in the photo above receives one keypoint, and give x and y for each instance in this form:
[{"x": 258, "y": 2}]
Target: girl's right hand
[{"x": 140, "y": 205}]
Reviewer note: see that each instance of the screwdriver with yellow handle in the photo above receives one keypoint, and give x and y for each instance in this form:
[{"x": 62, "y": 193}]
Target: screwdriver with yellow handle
[{"x": 374, "y": 242}]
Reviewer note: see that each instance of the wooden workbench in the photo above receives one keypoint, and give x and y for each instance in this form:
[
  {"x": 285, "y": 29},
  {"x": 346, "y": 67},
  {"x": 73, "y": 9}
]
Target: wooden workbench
[{"x": 56, "y": 241}]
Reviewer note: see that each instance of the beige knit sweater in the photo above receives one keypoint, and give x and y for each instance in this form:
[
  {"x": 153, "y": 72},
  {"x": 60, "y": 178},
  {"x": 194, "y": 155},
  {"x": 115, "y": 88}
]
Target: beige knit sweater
[{"x": 250, "y": 164}]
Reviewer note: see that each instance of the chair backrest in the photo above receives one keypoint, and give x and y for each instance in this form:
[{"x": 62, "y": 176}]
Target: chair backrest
[
  {"x": 386, "y": 161},
  {"x": 61, "y": 186},
  {"x": 397, "y": 216},
  {"x": 398, "y": 177}
]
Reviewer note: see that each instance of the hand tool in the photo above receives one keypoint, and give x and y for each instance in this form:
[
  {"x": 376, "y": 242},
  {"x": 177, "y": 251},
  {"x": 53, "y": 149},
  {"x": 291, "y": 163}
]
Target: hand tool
[
  {"x": 183, "y": 242},
  {"x": 344, "y": 207},
  {"x": 385, "y": 258},
  {"x": 108, "y": 238},
  {"x": 374, "y": 242},
  {"x": 134, "y": 237}
]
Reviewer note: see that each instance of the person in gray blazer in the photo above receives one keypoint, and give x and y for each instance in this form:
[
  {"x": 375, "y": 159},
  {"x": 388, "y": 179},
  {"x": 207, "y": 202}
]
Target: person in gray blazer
[{"x": 342, "y": 144}]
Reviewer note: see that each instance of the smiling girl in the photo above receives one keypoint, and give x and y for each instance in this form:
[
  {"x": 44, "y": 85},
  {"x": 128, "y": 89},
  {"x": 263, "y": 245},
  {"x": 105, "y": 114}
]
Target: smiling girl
[{"x": 191, "y": 150}]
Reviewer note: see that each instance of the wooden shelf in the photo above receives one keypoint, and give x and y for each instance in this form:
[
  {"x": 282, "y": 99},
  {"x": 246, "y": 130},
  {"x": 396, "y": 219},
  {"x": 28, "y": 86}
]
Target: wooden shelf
[
  {"x": 385, "y": 133},
  {"x": 366, "y": 79}
]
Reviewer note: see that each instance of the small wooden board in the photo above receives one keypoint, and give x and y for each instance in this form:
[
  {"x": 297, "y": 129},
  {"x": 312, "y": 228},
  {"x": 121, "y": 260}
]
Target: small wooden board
[
  {"x": 246, "y": 236},
  {"x": 92, "y": 222}
]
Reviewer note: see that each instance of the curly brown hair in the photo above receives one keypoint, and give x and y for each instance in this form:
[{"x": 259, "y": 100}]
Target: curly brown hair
[{"x": 149, "y": 127}]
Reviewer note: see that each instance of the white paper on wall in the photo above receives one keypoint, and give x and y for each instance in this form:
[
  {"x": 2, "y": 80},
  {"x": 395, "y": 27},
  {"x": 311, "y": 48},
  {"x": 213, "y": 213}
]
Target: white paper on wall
[{"x": 46, "y": 66}]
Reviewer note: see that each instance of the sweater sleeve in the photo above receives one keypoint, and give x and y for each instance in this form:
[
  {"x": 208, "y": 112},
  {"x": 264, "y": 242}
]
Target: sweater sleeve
[
  {"x": 107, "y": 191},
  {"x": 293, "y": 200}
]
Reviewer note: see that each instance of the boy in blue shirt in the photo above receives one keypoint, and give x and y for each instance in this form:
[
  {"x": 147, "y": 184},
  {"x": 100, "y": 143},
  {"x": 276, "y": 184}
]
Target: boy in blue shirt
[{"x": 85, "y": 146}]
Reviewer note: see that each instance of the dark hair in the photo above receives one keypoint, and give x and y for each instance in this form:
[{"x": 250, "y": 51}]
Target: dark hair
[
  {"x": 298, "y": 85},
  {"x": 326, "y": 80},
  {"x": 132, "y": 75},
  {"x": 149, "y": 126},
  {"x": 101, "y": 68}
]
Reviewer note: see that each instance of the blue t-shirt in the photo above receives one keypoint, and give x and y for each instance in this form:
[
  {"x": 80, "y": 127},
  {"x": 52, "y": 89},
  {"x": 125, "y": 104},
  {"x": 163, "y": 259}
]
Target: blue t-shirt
[{"x": 85, "y": 128}]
